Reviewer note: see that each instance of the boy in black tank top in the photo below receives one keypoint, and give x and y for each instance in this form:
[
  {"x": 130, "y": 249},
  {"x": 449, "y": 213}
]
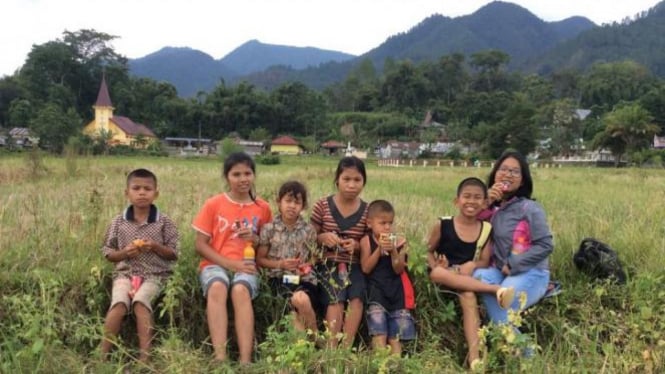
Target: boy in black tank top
[
  {"x": 390, "y": 293},
  {"x": 456, "y": 247}
]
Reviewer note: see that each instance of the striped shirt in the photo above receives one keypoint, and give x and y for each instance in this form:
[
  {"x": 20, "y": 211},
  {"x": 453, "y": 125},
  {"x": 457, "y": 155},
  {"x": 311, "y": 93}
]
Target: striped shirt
[
  {"x": 148, "y": 264},
  {"x": 326, "y": 216}
]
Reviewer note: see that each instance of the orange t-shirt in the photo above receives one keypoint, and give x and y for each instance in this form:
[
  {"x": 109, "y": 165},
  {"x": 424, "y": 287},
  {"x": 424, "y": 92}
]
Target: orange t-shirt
[{"x": 216, "y": 218}]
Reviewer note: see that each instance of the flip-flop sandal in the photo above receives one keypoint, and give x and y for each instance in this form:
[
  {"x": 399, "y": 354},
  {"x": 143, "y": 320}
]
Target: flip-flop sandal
[{"x": 505, "y": 296}]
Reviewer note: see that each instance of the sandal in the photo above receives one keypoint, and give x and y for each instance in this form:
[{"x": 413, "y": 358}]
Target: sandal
[{"x": 505, "y": 296}]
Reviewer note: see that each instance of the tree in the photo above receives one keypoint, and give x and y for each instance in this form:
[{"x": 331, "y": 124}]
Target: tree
[
  {"x": 404, "y": 89},
  {"x": 490, "y": 66},
  {"x": 9, "y": 91},
  {"x": 628, "y": 128},
  {"x": 609, "y": 83},
  {"x": 20, "y": 112},
  {"x": 54, "y": 126},
  {"x": 516, "y": 130}
]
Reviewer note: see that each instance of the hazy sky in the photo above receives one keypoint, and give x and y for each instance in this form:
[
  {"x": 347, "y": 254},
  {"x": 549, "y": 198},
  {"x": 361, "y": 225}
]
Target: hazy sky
[{"x": 217, "y": 27}]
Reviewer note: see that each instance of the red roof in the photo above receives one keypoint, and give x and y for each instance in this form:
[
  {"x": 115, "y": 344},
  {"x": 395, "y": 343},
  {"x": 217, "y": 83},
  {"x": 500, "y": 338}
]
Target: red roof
[
  {"x": 103, "y": 97},
  {"x": 332, "y": 144},
  {"x": 284, "y": 140},
  {"x": 132, "y": 128}
]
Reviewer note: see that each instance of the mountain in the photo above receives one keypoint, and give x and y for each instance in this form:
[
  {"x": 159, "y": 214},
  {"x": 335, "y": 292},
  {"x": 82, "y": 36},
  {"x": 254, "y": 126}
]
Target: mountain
[
  {"x": 493, "y": 26},
  {"x": 497, "y": 25},
  {"x": 191, "y": 71},
  {"x": 187, "y": 69},
  {"x": 255, "y": 56},
  {"x": 640, "y": 39}
]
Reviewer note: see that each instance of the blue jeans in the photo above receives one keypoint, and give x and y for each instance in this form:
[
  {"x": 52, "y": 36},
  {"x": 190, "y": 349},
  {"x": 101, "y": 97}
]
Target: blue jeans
[{"x": 532, "y": 282}]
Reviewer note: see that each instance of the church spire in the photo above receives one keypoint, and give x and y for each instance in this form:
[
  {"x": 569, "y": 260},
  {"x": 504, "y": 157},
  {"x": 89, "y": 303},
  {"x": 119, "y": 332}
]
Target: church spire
[{"x": 103, "y": 97}]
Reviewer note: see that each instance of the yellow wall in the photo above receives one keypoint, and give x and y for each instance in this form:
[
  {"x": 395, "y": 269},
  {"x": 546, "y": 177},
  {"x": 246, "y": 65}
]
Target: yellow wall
[
  {"x": 119, "y": 136},
  {"x": 285, "y": 149}
]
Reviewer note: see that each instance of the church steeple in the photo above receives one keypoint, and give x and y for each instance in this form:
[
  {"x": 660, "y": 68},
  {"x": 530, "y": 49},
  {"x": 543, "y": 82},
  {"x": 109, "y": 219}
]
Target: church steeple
[
  {"x": 103, "y": 97},
  {"x": 103, "y": 107}
]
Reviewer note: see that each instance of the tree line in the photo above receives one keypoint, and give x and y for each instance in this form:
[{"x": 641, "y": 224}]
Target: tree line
[{"x": 477, "y": 99}]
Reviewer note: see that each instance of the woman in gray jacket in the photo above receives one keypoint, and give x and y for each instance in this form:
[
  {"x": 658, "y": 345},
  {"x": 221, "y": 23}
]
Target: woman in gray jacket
[{"x": 522, "y": 241}]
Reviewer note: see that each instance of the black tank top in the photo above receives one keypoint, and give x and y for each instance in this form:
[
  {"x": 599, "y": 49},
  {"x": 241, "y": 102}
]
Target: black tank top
[
  {"x": 455, "y": 249},
  {"x": 384, "y": 285}
]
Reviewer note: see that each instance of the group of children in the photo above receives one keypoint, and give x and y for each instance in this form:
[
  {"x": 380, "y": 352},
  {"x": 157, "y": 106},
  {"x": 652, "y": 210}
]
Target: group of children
[{"x": 347, "y": 256}]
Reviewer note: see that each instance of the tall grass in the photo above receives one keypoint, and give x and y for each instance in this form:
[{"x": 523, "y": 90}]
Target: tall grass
[{"x": 55, "y": 283}]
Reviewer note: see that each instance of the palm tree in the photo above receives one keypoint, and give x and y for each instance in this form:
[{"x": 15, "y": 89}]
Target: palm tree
[{"x": 628, "y": 127}]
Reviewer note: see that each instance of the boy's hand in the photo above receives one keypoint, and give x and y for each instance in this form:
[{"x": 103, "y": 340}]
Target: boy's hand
[
  {"x": 149, "y": 245},
  {"x": 386, "y": 244},
  {"x": 442, "y": 261},
  {"x": 131, "y": 251},
  {"x": 467, "y": 268}
]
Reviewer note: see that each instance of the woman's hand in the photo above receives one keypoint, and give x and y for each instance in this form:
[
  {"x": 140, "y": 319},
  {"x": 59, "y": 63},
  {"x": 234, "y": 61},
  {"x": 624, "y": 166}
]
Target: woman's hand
[
  {"x": 329, "y": 239},
  {"x": 240, "y": 266},
  {"x": 495, "y": 193},
  {"x": 349, "y": 245}
]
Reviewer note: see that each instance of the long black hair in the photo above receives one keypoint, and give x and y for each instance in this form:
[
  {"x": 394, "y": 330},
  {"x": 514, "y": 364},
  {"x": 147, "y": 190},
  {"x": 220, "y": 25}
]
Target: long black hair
[
  {"x": 240, "y": 158},
  {"x": 351, "y": 162},
  {"x": 526, "y": 188}
]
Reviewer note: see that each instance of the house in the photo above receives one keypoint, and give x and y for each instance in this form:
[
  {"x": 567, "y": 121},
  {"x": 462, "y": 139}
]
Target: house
[
  {"x": 122, "y": 129},
  {"x": 285, "y": 145},
  {"x": 20, "y": 137},
  {"x": 396, "y": 149},
  {"x": 252, "y": 148},
  {"x": 659, "y": 142},
  {"x": 189, "y": 146},
  {"x": 430, "y": 126},
  {"x": 332, "y": 147}
]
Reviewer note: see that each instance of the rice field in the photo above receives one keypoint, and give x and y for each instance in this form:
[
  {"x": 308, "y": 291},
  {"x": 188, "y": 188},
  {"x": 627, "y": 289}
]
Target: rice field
[{"x": 55, "y": 283}]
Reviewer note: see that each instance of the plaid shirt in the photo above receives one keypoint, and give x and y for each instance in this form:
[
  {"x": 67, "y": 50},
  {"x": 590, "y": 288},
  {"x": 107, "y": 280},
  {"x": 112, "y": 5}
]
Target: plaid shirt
[
  {"x": 284, "y": 242},
  {"x": 123, "y": 230}
]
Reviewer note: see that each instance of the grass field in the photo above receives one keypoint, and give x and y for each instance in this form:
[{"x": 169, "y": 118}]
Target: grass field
[{"x": 55, "y": 283}]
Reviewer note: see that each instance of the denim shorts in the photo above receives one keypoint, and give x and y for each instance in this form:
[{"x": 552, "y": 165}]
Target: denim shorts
[
  {"x": 397, "y": 324},
  {"x": 216, "y": 273}
]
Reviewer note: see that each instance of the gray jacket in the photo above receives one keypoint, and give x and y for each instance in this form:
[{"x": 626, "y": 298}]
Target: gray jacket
[{"x": 521, "y": 236}]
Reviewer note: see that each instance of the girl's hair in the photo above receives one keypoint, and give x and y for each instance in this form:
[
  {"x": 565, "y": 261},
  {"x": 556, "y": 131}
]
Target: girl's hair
[
  {"x": 526, "y": 188},
  {"x": 295, "y": 189},
  {"x": 239, "y": 158},
  {"x": 471, "y": 181},
  {"x": 351, "y": 162}
]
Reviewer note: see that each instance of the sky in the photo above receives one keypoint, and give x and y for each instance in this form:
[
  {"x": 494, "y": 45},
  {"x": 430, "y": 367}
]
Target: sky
[{"x": 217, "y": 27}]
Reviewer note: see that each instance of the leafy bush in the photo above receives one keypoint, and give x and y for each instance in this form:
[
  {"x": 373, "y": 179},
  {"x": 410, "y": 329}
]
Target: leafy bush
[{"x": 268, "y": 159}]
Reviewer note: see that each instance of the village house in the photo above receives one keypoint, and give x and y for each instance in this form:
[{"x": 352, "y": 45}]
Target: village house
[
  {"x": 19, "y": 137},
  {"x": 285, "y": 145},
  {"x": 122, "y": 129},
  {"x": 332, "y": 147},
  {"x": 397, "y": 149},
  {"x": 252, "y": 148},
  {"x": 659, "y": 142}
]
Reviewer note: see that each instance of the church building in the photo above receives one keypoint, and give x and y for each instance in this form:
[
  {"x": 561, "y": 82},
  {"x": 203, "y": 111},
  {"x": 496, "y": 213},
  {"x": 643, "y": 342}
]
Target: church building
[{"x": 124, "y": 130}]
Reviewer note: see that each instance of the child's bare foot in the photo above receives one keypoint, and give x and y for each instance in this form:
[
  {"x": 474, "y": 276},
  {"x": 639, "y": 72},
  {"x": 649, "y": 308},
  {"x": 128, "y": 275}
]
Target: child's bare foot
[{"x": 505, "y": 296}]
